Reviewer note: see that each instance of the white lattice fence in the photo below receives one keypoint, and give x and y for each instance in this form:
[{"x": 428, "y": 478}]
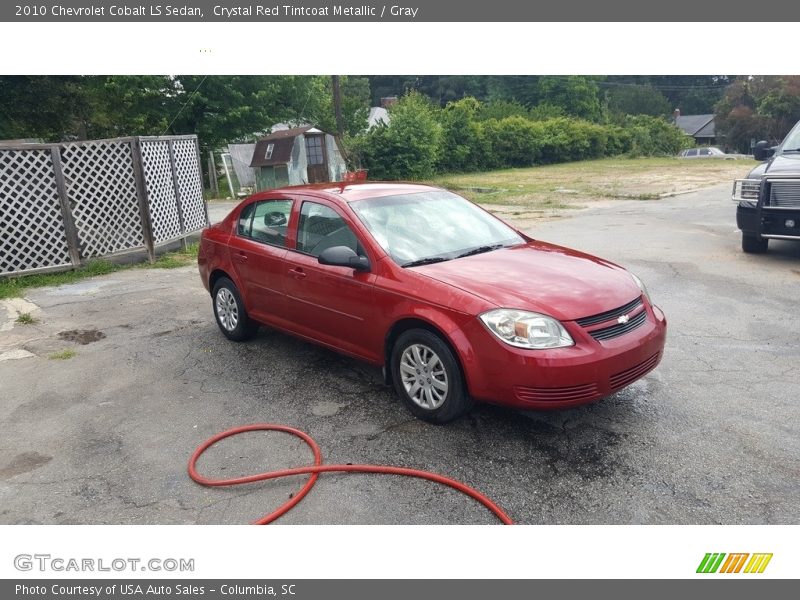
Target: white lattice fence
[
  {"x": 160, "y": 190},
  {"x": 101, "y": 187},
  {"x": 32, "y": 233},
  {"x": 63, "y": 204},
  {"x": 187, "y": 169}
]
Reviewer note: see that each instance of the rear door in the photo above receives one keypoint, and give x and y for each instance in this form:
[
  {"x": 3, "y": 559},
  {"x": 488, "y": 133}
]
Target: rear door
[{"x": 258, "y": 250}]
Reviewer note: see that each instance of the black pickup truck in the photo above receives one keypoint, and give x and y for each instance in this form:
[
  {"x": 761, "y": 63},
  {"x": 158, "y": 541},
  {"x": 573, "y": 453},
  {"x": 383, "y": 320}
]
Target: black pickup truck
[{"x": 769, "y": 199}]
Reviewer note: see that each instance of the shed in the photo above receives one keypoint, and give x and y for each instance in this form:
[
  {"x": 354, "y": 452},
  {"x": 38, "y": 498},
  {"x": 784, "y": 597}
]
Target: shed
[{"x": 296, "y": 156}]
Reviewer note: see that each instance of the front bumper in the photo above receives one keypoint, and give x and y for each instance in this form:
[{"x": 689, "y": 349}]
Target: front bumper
[
  {"x": 769, "y": 222},
  {"x": 562, "y": 377}
]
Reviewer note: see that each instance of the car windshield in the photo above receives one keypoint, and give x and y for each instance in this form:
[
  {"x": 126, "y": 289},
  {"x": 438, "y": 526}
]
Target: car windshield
[
  {"x": 431, "y": 227},
  {"x": 792, "y": 141}
]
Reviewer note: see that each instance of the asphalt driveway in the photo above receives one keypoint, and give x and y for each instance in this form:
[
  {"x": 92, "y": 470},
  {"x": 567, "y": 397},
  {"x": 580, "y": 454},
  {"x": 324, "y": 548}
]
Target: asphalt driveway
[{"x": 710, "y": 437}]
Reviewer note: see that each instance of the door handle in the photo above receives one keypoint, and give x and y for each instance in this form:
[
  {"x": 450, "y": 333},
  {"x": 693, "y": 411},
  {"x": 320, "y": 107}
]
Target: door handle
[
  {"x": 297, "y": 273},
  {"x": 240, "y": 256}
]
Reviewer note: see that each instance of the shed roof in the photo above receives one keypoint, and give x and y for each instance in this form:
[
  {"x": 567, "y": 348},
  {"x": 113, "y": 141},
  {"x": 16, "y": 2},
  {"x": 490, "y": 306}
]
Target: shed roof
[
  {"x": 693, "y": 124},
  {"x": 282, "y": 141}
]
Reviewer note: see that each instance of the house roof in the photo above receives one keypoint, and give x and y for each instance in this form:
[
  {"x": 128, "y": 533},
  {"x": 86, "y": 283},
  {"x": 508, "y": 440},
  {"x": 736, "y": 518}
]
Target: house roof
[
  {"x": 696, "y": 125},
  {"x": 283, "y": 141},
  {"x": 376, "y": 115}
]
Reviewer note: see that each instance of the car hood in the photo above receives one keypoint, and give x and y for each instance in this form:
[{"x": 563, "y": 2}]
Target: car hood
[
  {"x": 541, "y": 277},
  {"x": 784, "y": 164}
]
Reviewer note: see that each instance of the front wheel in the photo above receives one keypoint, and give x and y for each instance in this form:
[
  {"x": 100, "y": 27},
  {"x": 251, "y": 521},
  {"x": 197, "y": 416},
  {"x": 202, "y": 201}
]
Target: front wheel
[
  {"x": 754, "y": 244},
  {"x": 428, "y": 378},
  {"x": 230, "y": 313}
]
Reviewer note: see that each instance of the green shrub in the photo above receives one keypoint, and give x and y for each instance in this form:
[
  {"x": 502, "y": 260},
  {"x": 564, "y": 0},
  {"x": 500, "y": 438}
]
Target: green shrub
[
  {"x": 654, "y": 136},
  {"x": 421, "y": 139},
  {"x": 408, "y": 147},
  {"x": 463, "y": 146}
]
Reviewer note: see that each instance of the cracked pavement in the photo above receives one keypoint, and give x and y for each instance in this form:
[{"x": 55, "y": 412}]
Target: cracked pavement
[{"x": 710, "y": 437}]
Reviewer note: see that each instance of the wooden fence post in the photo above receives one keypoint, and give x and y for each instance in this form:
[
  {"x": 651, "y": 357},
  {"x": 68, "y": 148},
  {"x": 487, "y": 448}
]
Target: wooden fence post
[
  {"x": 177, "y": 186},
  {"x": 71, "y": 232},
  {"x": 213, "y": 183},
  {"x": 141, "y": 192},
  {"x": 200, "y": 171}
]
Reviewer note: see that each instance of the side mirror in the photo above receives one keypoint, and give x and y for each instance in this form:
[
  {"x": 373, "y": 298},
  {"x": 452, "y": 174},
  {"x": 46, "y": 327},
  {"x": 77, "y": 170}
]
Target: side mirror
[
  {"x": 762, "y": 150},
  {"x": 342, "y": 256}
]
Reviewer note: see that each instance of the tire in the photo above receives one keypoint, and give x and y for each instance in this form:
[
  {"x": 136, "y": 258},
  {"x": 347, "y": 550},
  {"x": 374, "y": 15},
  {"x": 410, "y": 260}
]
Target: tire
[
  {"x": 443, "y": 396},
  {"x": 753, "y": 244},
  {"x": 230, "y": 313}
]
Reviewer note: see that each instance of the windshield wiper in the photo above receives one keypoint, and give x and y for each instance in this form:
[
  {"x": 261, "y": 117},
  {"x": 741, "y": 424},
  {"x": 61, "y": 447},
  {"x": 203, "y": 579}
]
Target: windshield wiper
[
  {"x": 790, "y": 150},
  {"x": 424, "y": 261},
  {"x": 480, "y": 250}
]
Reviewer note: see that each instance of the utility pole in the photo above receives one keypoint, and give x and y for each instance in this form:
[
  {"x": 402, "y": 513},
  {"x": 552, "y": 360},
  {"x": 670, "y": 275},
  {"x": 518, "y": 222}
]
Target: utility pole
[{"x": 337, "y": 105}]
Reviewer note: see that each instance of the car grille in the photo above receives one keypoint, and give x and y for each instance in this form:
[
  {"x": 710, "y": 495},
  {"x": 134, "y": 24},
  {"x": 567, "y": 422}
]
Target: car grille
[
  {"x": 628, "y": 376},
  {"x": 784, "y": 193},
  {"x": 607, "y": 333},
  {"x": 557, "y": 394},
  {"x": 610, "y": 314}
]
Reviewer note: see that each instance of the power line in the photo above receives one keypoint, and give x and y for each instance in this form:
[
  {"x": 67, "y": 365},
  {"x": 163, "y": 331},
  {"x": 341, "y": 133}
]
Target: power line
[{"x": 189, "y": 99}]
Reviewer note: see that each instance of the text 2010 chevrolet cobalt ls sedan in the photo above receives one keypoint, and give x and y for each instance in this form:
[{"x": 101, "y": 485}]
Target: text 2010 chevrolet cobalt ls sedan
[{"x": 451, "y": 301}]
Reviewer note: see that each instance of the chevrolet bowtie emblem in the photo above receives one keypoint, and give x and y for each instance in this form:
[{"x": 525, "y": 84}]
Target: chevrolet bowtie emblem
[{"x": 623, "y": 319}]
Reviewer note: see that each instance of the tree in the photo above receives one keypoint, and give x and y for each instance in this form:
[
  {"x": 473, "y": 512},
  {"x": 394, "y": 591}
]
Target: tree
[
  {"x": 40, "y": 107},
  {"x": 578, "y": 96},
  {"x": 637, "y": 100},
  {"x": 355, "y": 103},
  {"x": 781, "y": 104},
  {"x": 755, "y": 108},
  {"x": 461, "y": 136},
  {"x": 408, "y": 147}
]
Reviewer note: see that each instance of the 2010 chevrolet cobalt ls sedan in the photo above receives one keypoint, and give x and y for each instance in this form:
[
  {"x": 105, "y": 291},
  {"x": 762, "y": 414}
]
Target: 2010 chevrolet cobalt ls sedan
[{"x": 453, "y": 303}]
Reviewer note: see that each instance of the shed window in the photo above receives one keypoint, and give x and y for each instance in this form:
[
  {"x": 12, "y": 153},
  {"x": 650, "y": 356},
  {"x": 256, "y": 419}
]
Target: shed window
[
  {"x": 268, "y": 153},
  {"x": 314, "y": 150}
]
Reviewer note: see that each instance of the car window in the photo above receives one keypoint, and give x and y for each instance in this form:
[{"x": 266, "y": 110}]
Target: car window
[
  {"x": 705, "y": 152},
  {"x": 321, "y": 228},
  {"x": 404, "y": 226},
  {"x": 245, "y": 220},
  {"x": 691, "y": 153},
  {"x": 270, "y": 220}
]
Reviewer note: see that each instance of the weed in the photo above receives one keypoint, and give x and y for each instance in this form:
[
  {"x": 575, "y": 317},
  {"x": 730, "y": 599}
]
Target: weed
[{"x": 25, "y": 319}]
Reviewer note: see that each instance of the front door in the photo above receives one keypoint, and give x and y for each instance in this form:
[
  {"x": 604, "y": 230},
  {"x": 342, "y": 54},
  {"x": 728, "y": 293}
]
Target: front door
[
  {"x": 317, "y": 158},
  {"x": 334, "y": 305}
]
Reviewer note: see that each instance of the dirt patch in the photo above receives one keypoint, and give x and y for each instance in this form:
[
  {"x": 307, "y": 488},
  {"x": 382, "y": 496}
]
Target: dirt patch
[
  {"x": 574, "y": 185},
  {"x": 24, "y": 463},
  {"x": 82, "y": 336}
]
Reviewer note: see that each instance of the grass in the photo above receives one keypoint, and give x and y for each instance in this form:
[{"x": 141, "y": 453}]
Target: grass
[
  {"x": 573, "y": 185},
  {"x": 173, "y": 260},
  {"x": 25, "y": 319},
  {"x": 63, "y": 355},
  {"x": 16, "y": 287}
]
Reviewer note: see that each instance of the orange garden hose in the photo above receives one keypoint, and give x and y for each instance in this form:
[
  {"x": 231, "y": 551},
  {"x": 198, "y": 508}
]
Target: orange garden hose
[{"x": 317, "y": 468}]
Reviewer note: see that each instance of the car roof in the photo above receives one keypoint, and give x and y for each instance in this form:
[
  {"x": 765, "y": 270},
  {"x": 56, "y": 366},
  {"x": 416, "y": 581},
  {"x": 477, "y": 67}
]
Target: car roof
[{"x": 350, "y": 192}]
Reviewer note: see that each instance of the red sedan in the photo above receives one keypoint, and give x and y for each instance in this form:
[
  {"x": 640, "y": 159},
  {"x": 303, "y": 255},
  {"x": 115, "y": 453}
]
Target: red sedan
[{"x": 453, "y": 303}]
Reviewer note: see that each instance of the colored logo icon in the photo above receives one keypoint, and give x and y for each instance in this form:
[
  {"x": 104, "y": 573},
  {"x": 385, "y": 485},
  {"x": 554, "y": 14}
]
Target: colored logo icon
[{"x": 719, "y": 562}]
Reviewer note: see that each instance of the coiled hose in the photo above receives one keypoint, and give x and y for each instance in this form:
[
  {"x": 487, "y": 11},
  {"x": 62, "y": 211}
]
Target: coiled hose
[{"x": 317, "y": 468}]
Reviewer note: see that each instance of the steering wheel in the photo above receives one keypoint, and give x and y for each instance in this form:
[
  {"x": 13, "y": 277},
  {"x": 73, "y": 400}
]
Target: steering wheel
[{"x": 275, "y": 219}]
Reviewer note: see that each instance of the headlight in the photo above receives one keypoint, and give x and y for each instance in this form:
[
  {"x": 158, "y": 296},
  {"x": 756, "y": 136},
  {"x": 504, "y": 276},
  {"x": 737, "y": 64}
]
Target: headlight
[
  {"x": 525, "y": 329},
  {"x": 745, "y": 190},
  {"x": 641, "y": 285}
]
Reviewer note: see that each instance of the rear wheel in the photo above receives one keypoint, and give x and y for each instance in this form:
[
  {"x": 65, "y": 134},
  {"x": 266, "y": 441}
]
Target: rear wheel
[
  {"x": 754, "y": 244},
  {"x": 428, "y": 378},
  {"x": 230, "y": 313}
]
